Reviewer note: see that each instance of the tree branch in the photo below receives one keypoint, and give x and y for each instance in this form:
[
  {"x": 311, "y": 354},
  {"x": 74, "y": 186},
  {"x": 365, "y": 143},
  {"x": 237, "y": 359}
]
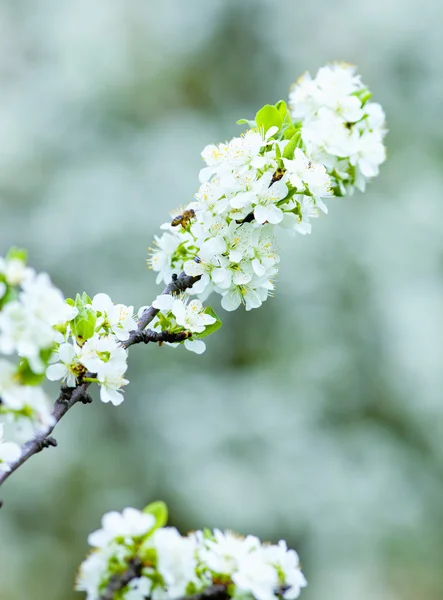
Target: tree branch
[
  {"x": 134, "y": 570},
  {"x": 178, "y": 284},
  {"x": 70, "y": 396}
]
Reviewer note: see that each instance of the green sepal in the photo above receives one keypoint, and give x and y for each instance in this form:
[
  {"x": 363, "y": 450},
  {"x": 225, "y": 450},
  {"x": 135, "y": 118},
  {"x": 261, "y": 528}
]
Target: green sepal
[
  {"x": 165, "y": 322},
  {"x": 18, "y": 254},
  {"x": 267, "y": 117},
  {"x": 159, "y": 511},
  {"x": 209, "y": 328},
  {"x": 293, "y": 143},
  {"x": 363, "y": 95}
]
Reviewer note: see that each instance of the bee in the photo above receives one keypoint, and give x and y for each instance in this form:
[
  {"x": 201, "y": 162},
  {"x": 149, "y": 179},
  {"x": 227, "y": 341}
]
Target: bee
[
  {"x": 184, "y": 218},
  {"x": 277, "y": 176}
]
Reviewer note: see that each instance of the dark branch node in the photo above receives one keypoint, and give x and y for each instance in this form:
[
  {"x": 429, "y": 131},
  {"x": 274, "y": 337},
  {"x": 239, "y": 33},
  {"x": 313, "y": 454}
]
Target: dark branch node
[
  {"x": 46, "y": 443},
  {"x": 86, "y": 399}
]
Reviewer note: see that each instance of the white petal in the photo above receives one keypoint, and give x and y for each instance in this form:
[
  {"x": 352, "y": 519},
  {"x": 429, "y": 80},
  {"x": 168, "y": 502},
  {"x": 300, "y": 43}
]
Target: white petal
[
  {"x": 196, "y": 346},
  {"x": 102, "y": 302},
  {"x": 231, "y": 300},
  {"x": 163, "y": 302},
  {"x": 56, "y": 372}
]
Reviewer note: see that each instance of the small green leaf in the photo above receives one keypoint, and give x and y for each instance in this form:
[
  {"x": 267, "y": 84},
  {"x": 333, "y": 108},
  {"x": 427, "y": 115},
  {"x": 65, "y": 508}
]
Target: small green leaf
[
  {"x": 17, "y": 253},
  {"x": 83, "y": 326},
  {"x": 210, "y": 328},
  {"x": 293, "y": 143},
  {"x": 26, "y": 375},
  {"x": 10, "y": 296},
  {"x": 70, "y": 301},
  {"x": 268, "y": 116},
  {"x": 251, "y": 124},
  {"x": 282, "y": 108},
  {"x": 159, "y": 510}
]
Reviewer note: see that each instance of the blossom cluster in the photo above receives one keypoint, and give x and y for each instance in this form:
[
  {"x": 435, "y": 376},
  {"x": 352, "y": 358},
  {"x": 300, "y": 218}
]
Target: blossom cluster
[
  {"x": 340, "y": 127},
  {"x": 91, "y": 349},
  {"x": 173, "y": 566},
  {"x": 31, "y": 312},
  {"x": 277, "y": 174},
  {"x": 43, "y": 335}
]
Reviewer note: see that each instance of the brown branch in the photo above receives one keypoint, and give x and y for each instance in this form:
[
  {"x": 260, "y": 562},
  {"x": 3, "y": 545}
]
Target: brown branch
[
  {"x": 148, "y": 335},
  {"x": 120, "y": 580},
  {"x": 177, "y": 285},
  {"x": 70, "y": 396},
  {"x": 66, "y": 400}
]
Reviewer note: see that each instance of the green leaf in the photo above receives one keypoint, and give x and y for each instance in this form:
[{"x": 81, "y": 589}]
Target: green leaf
[
  {"x": 70, "y": 301},
  {"x": 17, "y": 253},
  {"x": 26, "y": 375},
  {"x": 83, "y": 326},
  {"x": 10, "y": 296},
  {"x": 268, "y": 116},
  {"x": 293, "y": 143},
  {"x": 159, "y": 510},
  {"x": 251, "y": 124},
  {"x": 209, "y": 328},
  {"x": 282, "y": 108}
]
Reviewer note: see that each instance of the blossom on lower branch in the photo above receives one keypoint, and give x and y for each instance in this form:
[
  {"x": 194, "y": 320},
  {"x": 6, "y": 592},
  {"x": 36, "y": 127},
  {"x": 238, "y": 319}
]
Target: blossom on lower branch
[{"x": 171, "y": 566}]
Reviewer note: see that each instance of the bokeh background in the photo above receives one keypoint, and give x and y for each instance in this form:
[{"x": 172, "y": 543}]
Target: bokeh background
[{"x": 319, "y": 417}]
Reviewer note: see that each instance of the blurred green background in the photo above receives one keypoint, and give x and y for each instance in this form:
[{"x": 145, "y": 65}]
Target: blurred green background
[{"x": 319, "y": 417}]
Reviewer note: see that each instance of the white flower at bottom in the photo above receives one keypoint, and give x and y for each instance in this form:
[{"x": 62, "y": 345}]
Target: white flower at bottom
[
  {"x": 111, "y": 381},
  {"x": 224, "y": 553},
  {"x": 287, "y": 563},
  {"x": 176, "y": 560},
  {"x": 127, "y": 524},
  {"x": 9, "y": 453},
  {"x": 139, "y": 589},
  {"x": 256, "y": 577}
]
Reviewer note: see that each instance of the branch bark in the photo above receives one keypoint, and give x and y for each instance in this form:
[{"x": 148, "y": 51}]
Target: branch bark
[
  {"x": 134, "y": 570},
  {"x": 70, "y": 396},
  {"x": 178, "y": 284}
]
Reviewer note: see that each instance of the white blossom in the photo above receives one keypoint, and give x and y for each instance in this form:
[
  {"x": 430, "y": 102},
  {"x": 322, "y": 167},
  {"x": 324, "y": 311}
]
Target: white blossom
[
  {"x": 339, "y": 127},
  {"x": 176, "y": 560},
  {"x": 9, "y": 452},
  {"x": 103, "y": 353},
  {"x": 128, "y": 524},
  {"x": 68, "y": 367},
  {"x": 14, "y": 271},
  {"x": 178, "y": 564},
  {"x": 117, "y": 317},
  {"x": 111, "y": 381}
]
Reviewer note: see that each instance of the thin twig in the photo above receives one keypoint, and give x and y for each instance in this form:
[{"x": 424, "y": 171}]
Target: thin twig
[{"x": 68, "y": 397}]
